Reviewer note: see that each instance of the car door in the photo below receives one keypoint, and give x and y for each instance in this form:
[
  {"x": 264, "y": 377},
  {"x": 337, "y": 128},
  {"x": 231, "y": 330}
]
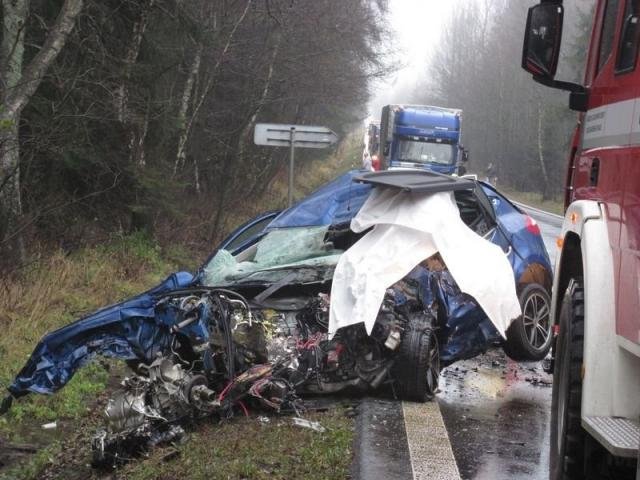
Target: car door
[{"x": 605, "y": 144}]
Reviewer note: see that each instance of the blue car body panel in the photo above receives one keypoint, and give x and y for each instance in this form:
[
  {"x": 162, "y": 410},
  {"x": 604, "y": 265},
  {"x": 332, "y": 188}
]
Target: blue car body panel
[
  {"x": 528, "y": 248},
  {"x": 468, "y": 331},
  {"x": 127, "y": 330},
  {"x": 335, "y": 203},
  {"x": 137, "y": 329}
]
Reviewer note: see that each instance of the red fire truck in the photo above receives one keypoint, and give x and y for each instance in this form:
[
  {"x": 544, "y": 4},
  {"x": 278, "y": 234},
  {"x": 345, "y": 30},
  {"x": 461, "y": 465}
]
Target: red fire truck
[{"x": 596, "y": 290}]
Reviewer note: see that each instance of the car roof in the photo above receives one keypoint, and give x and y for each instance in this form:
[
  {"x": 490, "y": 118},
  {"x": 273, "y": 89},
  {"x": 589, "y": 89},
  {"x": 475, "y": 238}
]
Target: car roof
[{"x": 416, "y": 181}]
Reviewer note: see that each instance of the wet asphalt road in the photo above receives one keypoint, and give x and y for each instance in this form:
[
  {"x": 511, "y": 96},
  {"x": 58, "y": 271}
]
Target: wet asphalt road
[
  {"x": 497, "y": 414},
  {"x": 497, "y": 411}
]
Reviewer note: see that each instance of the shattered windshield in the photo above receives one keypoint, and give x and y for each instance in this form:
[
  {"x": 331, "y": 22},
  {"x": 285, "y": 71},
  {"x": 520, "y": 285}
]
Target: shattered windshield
[
  {"x": 278, "y": 253},
  {"x": 426, "y": 152}
]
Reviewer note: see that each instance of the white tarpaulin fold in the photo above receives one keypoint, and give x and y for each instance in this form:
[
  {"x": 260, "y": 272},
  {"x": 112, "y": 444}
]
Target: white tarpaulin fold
[{"x": 408, "y": 228}]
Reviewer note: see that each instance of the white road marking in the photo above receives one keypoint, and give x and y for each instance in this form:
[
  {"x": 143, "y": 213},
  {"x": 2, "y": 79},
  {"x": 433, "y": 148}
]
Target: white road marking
[{"x": 429, "y": 446}]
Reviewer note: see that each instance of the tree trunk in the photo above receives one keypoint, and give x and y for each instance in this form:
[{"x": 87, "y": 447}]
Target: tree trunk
[
  {"x": 199, "y": 101},
  {"x": 138, "y": 138},
  {"x": 19, "y": 85},
  {"x": 10, "y": 198},
  {"x": 246, "y": 132},
  {"x": 194, "y": 71},
  {"x": 135, "y": 125},
  {"x": 216, "y": 219},
  {"x": 12, "y": 49}
]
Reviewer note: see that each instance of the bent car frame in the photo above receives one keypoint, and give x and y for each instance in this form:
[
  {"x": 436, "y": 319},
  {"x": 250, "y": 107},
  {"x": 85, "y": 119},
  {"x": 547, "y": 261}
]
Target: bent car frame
[{"x": 275, "y": 311}]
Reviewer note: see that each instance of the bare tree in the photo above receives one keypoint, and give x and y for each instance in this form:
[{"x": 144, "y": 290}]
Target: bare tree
[
  {"x": 173, "y": 86},
  {"x": 19, "y": 84},
  {"x": 508, "y": 121}
]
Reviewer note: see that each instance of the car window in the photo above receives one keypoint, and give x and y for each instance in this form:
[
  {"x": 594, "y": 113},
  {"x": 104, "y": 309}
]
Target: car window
[
  {"x": 249, "y": 232},
  {"x": 485, "y": 202},
  {"x": 628, "y": 47},
  {"x": 473, "y": 212}
]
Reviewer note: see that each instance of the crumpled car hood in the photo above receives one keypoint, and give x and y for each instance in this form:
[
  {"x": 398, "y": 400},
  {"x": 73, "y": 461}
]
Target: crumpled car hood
[{"x": 127, "y": 330}]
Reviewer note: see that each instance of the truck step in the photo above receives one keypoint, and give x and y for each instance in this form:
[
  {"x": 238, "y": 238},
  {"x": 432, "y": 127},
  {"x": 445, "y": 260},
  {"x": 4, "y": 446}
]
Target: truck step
[{"x": 621, "y": 436}]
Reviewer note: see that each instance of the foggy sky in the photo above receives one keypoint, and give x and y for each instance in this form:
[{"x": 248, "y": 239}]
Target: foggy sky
[{"x": 417, "y": 26}]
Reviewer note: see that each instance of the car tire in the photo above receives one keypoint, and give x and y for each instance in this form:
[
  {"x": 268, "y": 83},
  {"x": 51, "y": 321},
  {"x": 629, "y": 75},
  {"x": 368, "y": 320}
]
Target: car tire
[
  {"x": 417, "y": 365},
  {"x": 529, "y": 337},
  {"x": 567, "y": 444}
]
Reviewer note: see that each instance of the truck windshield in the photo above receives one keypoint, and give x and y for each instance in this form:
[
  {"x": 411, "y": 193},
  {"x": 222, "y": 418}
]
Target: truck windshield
[{"x": 426, "y": 152}]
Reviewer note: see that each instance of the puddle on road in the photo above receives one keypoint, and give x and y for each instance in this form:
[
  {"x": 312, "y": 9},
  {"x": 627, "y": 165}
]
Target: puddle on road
[{"x": 497, "y": 414}]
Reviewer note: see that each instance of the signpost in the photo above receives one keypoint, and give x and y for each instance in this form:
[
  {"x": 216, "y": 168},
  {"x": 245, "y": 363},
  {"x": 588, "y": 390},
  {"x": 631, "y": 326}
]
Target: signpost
[{"x": 292, "y": 136}]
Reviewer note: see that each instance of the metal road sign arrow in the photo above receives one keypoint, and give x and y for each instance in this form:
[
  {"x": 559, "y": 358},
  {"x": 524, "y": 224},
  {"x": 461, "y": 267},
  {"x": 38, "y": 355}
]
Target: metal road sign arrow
[{"x": 305, "y": 136}]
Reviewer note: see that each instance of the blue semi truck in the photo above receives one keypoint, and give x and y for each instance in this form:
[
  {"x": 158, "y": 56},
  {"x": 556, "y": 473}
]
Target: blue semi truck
[{"x": 422, "y": 136}]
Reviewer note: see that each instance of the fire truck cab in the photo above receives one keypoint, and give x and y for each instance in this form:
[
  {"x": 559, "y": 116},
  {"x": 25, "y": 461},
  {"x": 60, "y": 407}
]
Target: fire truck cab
[{"x": 595, "y": 430}]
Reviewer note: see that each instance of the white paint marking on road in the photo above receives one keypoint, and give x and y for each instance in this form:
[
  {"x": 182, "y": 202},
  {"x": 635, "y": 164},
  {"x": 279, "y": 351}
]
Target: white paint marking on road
[{"x": 429, "y": 447}]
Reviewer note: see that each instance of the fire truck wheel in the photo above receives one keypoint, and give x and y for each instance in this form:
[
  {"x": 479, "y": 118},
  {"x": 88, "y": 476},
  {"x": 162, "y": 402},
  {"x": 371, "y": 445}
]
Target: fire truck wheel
[
  {"x": 417, "y": 366},
  {"x": 529, "y": 337},
  {"x": 567, "y": 434}
]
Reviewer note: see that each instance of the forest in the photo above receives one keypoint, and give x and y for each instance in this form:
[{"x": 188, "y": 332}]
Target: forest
[
  {"x": 520, "y": 127},
  {"x": 137, "y": 115},
  {"x": 126, "y": 115}
]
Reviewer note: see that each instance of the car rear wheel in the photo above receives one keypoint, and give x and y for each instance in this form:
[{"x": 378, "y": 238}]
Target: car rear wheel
[
  {"x": 417, "y": 365},
  {"x": 529, "y": 337}
]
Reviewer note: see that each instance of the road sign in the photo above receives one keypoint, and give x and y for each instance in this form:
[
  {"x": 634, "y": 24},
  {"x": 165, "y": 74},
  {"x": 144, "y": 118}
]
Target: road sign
[
  {"x": 305, "y": 136},
  {"x": 292, "y": 136}
]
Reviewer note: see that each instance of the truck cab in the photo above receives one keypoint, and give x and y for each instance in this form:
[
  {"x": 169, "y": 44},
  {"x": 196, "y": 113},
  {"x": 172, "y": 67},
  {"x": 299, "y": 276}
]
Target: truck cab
[
  {"x": 421, "y": 136},
  {"x": 595, "y": 428}
]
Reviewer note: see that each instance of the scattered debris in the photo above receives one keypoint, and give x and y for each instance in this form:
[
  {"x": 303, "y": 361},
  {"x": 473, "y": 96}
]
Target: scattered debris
[
  {"x": 538, "y": 382},
  {"x": 171, "y": 455},
  {"x": 351, "y": 412},
  {"x": 15, "y": 447},
  {"x": 301, "y": 422}
]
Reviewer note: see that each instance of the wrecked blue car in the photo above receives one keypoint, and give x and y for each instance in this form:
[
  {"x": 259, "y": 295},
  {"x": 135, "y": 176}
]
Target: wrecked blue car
[{"x": 252, "y": 324}]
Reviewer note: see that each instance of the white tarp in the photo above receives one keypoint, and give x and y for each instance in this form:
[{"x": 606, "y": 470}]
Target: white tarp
[{"x": 408, "y": 228}]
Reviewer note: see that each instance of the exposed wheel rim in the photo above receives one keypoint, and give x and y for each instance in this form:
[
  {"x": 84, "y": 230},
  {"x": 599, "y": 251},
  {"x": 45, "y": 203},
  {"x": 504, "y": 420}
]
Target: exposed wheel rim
[
  {"x": 433, "y": 370},
  {"x": 536, "y": 320}
]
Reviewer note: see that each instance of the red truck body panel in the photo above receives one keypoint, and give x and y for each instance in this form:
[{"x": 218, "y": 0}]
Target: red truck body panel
[{"x": 606, "y": 163}]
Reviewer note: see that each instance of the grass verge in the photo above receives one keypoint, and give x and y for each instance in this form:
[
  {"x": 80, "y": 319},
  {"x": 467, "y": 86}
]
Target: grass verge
[
  {"x": 53, "y": 292},
  {"x": 57, "y": 289},
  {"x": 534, "y": 199},
  {"x": 245, "y": 448}
]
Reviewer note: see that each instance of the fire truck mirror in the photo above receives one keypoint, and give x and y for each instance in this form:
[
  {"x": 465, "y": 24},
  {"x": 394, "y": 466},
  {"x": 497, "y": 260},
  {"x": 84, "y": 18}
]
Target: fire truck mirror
[{"x": 542, "y": 39}]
